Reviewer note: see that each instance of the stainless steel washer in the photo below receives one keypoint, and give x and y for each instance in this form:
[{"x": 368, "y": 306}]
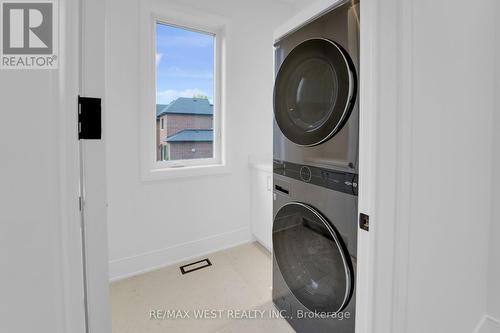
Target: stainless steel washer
[{"x": 314, "y": 248}]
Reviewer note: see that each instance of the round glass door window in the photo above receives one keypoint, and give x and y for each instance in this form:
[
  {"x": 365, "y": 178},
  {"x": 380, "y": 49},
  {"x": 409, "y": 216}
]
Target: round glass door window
[
  {"x": 314, "y": 92},
  {"x": 312, "y": 258}
]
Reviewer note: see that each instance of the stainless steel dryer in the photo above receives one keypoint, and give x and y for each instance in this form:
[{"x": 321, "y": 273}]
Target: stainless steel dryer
[{"x": 315, "y": 93}]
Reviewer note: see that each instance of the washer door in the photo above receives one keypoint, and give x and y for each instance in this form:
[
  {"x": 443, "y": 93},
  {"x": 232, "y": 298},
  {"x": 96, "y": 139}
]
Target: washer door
[
  {"x": 314, "y": 92},
  {"x": 312, "y": 258}
]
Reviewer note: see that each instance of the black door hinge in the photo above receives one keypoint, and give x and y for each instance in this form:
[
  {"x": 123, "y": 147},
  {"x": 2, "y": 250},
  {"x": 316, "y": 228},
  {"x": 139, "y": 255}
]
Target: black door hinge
[
  {"x": 364, "y": 222},
  {"x": 89, "y": 118}
]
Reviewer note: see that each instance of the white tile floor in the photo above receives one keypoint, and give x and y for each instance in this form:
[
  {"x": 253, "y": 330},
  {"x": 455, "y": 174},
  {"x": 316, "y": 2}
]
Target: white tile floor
[{"x": 239, "y": 279}]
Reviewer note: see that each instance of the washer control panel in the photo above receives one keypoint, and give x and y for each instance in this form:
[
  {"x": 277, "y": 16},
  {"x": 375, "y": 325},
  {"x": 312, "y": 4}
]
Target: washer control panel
[{"x": 341, "y": 181}]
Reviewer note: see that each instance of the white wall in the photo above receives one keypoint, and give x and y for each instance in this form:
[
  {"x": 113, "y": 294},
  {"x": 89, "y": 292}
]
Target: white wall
[
  {"x": 156, "y": 223},
  {"x": 41, "y": 277},
  {"x": 452, "y": 111},
  {"x": 29, "y": 213},
  {"x": 494, "y": 249}
]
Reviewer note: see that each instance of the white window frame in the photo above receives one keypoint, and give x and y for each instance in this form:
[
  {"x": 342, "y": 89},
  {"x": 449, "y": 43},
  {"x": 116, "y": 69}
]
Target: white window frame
[{"x": 153, "y": 12}]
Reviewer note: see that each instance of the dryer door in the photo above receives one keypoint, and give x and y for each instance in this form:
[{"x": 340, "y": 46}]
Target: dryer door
[
  {"x": 314, "y": 92},
  {"x": 312, "y": 258}
]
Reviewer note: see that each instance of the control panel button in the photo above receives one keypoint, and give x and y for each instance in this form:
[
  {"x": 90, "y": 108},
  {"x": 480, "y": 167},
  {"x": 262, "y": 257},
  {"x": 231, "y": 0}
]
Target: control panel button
[{"x": 305, "y": 174}]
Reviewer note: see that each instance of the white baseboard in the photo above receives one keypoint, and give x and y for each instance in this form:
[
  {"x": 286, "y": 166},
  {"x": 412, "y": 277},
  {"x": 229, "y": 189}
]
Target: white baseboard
[
  {"x": 488, "y": 324},
  {"x": 127, "y": 267}
]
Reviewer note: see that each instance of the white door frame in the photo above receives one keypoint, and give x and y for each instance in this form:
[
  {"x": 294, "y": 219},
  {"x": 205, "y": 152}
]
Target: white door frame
[
  {"x": 385, "y": 164},
  {"x": 71, "y": 242},
  {"x": 81, "y": 72},
  {"x": 69, "y": 57},
  {"x": 93, "y": 169}
]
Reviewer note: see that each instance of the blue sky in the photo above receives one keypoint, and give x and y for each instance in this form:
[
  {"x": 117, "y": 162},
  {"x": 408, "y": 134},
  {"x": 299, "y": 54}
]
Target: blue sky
[{"x": 184, "y": 63}]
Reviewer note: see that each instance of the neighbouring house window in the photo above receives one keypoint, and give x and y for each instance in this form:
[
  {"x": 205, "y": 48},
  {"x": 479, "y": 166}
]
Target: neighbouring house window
[
  {"x": 185, "y": 84},
  {"x": 165, "y": 153}
]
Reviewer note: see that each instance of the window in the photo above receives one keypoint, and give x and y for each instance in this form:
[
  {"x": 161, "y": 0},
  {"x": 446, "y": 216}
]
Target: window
[
  {"x": 165, "y": 153},
  {"x": 182, "y": 81},
  {"x": 185, "y": 61}
]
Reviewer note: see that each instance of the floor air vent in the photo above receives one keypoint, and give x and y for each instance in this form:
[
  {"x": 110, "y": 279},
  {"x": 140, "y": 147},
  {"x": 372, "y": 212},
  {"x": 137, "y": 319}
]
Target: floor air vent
[{"x": 194, "y": 266}]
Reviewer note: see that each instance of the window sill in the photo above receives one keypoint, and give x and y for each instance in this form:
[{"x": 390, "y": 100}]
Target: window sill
[{"x": 185, "y": 172}]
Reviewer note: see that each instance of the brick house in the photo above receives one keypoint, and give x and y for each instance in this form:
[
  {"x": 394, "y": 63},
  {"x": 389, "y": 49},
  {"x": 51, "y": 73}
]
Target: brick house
[
  {"x": 184, "y": 129},
  {"x": 191, "y": 143}
]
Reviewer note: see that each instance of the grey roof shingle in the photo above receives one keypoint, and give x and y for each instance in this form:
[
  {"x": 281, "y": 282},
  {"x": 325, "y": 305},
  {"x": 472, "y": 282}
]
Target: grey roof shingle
[
  {"x": 192, "y": 135},
  {"x": 185, "y": 105}
]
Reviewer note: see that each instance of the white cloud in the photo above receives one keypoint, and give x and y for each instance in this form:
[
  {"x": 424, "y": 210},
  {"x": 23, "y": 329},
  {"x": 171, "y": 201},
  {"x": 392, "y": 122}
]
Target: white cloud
[
  {"x": 158, "y": 58},
  {"x": 167, "y": 96}
]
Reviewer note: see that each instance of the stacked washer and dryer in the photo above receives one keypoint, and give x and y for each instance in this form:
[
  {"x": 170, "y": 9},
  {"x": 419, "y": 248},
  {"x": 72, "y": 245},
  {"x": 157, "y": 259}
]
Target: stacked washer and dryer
[{"x": 316, "y": 132}]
